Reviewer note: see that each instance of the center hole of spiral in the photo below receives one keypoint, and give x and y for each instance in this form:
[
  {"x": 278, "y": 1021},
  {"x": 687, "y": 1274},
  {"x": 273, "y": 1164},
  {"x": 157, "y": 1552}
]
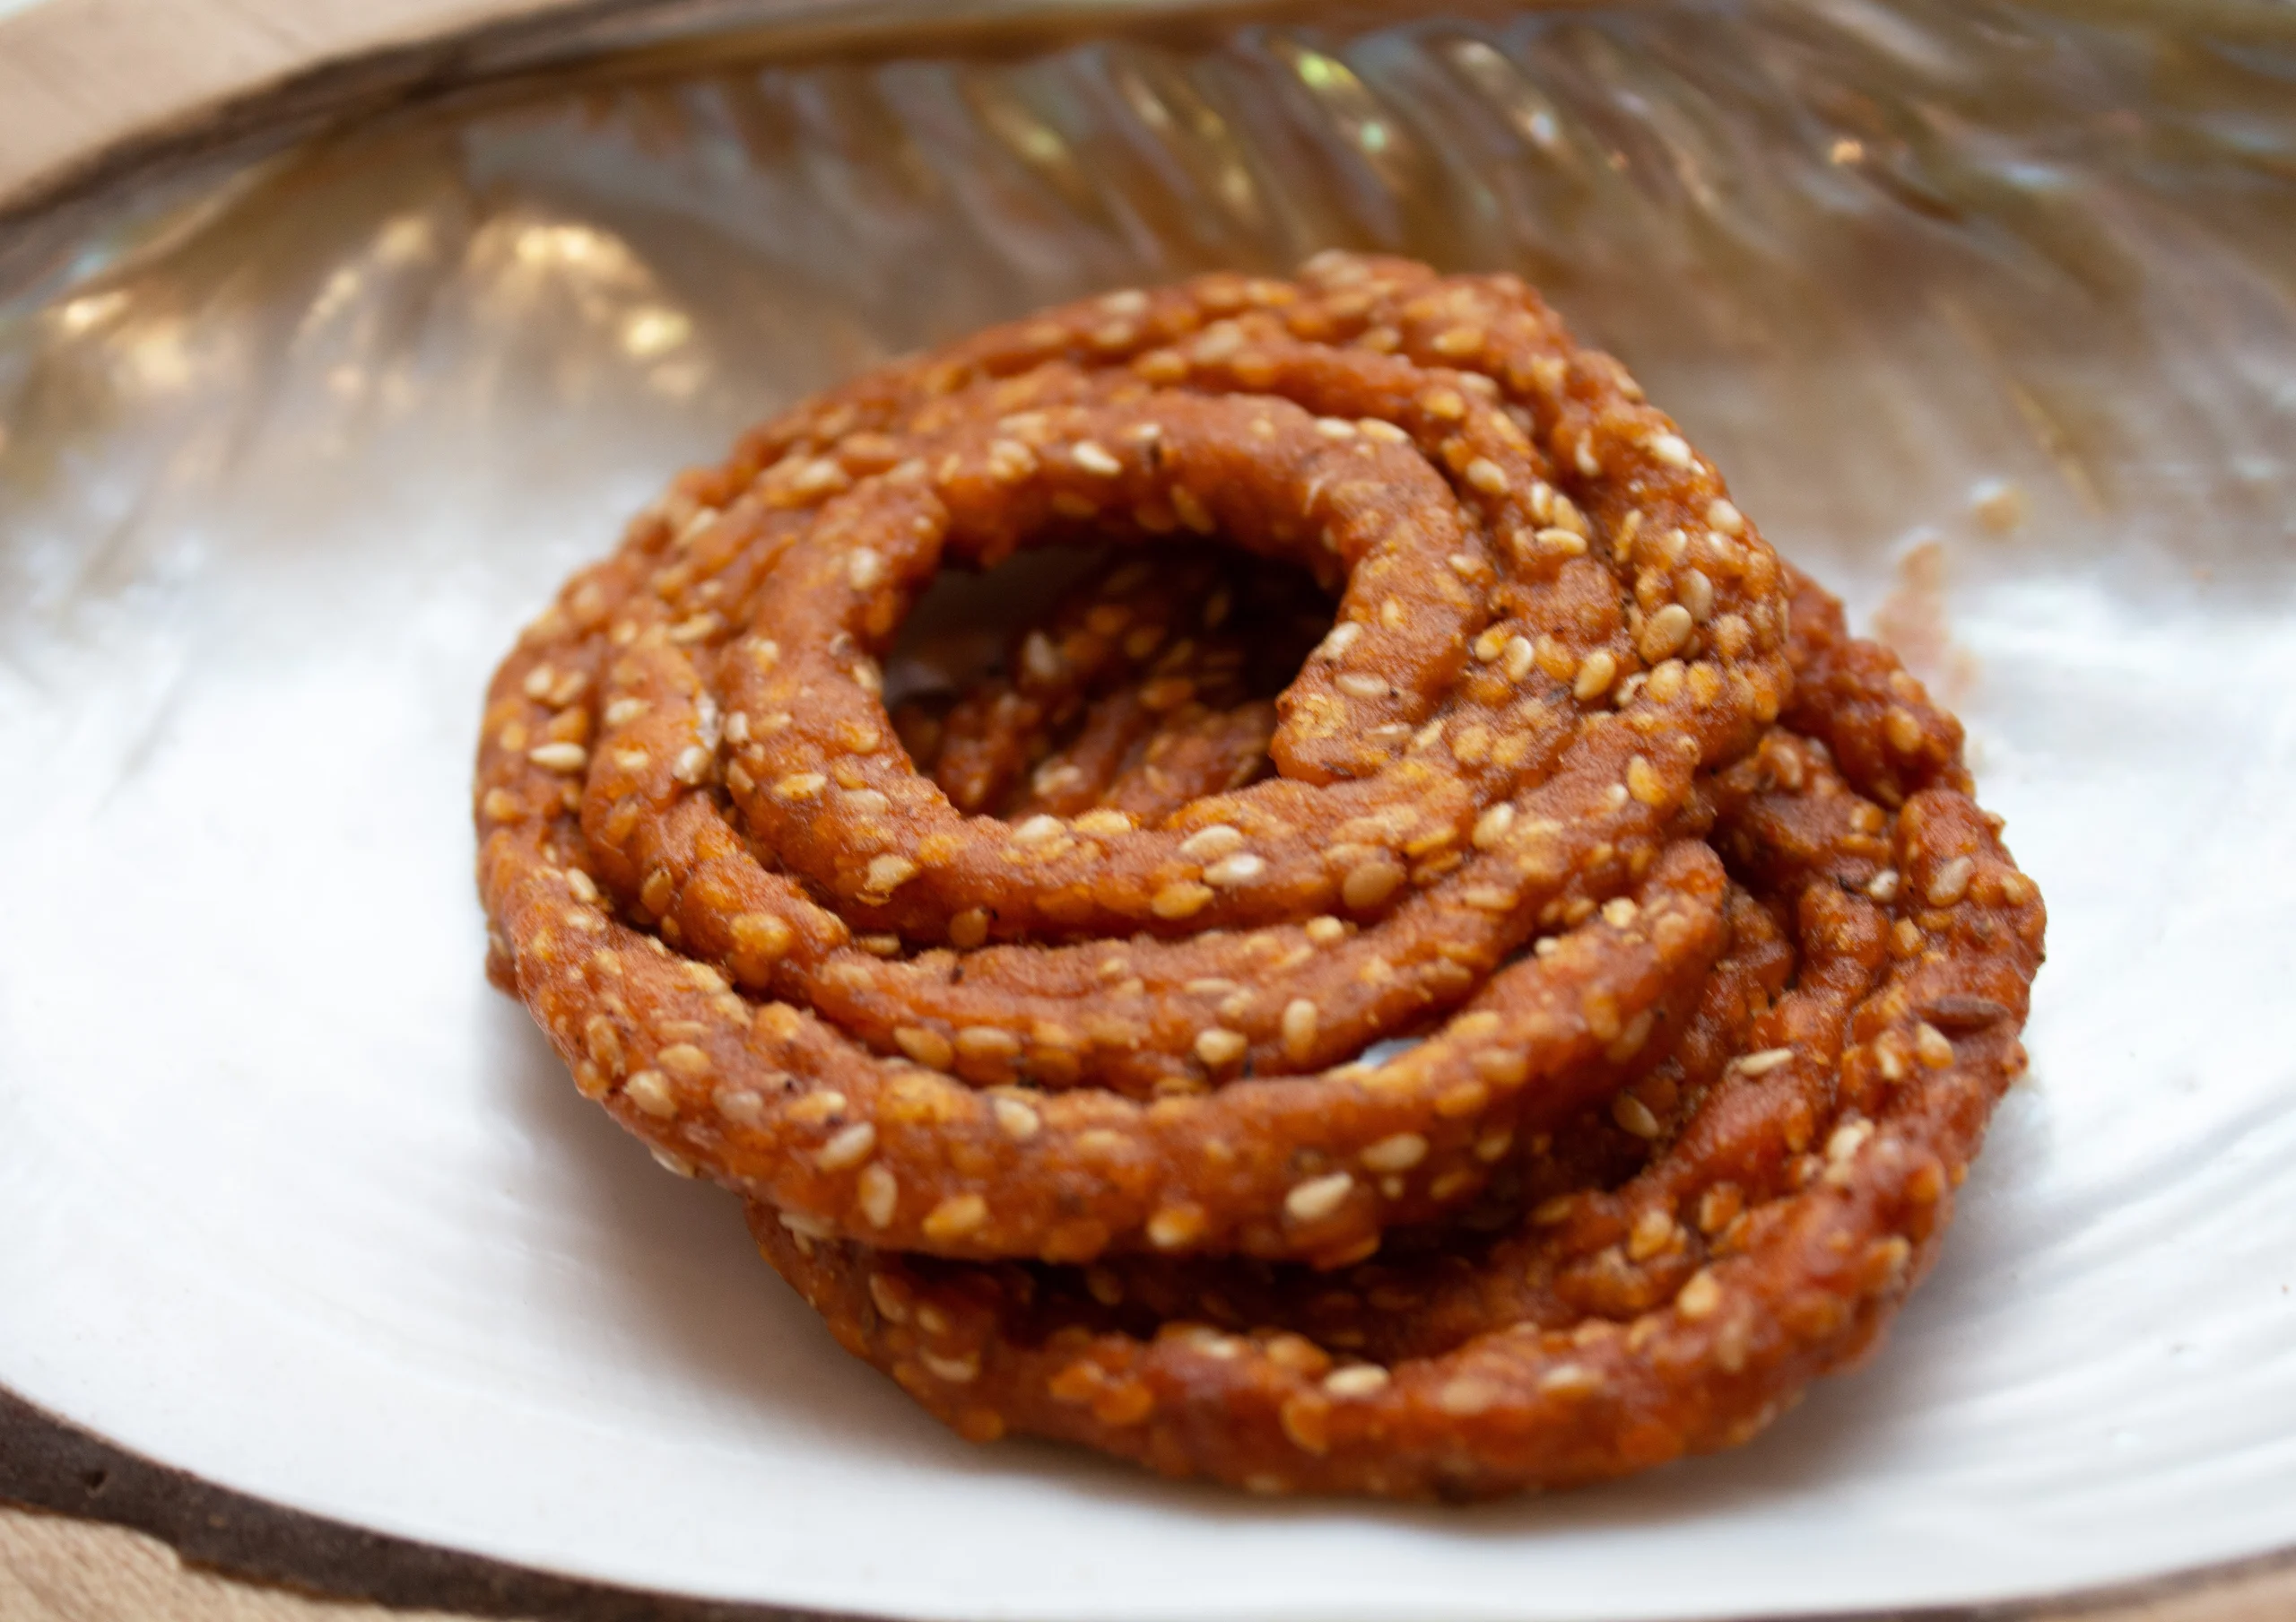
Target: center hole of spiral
[{"x": 1073, "y": 678}]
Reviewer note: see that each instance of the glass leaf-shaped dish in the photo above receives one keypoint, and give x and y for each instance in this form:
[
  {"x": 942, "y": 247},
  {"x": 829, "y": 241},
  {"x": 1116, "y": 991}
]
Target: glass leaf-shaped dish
[{"x": 1988, "y": 310}]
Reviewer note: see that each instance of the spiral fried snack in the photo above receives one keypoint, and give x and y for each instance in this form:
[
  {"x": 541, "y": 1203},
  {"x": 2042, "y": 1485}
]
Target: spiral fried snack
[{"x": 1588, "y": 930}]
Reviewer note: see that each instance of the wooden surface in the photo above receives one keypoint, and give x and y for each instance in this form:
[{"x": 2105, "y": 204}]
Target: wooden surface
[
  {"x": 87, "y": 83},
  {"x": 79, "y": 77}
]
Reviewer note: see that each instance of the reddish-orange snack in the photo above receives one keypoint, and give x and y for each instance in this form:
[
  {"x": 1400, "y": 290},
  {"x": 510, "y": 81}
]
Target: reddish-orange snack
[{"x": 1032, "y": 1016}]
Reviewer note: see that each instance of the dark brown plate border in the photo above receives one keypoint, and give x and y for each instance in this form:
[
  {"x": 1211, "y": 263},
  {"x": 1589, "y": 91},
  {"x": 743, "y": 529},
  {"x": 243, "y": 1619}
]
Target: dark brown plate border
[{"x": 48, "y": 1463}]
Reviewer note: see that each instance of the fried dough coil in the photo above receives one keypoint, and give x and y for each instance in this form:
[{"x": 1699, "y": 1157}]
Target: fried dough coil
[
  {"x": 1569, "y": 872},
  {"x": 1676, "y": 1266}
]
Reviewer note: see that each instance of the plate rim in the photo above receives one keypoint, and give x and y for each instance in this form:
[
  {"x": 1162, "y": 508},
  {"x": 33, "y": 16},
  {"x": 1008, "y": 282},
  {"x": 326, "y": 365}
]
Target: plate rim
[
  {"x": 216, "y": 77},
  {"x": 52, "y": 1465}
]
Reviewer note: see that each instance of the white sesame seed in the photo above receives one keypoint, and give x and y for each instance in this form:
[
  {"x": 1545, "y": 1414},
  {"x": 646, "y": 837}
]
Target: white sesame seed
[
  {"x": 863, "y": 569},
  {"x": 1359, "y": 1380},
  {"x": 1671, "y": 448},
  {"x": 559, "y": 757},
  {"x": 956, "y": 1371},
  {"x": 1318, "y": 1196},
  {"x": 1665, "y": 632},
  {"x": 1014, "y": 1119},
  {"x": 1951, "y": 882},
  {"x": 1206, "y": 844},
  {"x": 1397, "y": 1153},
  {"x": 1037, "y": 830},
  {"x": 850, "y": 1147},
  {"x": 1232, "y": 870},
  {"x": 649, "y": 1090},
  {"x": 1218, "y": 1047},
  {"x": 887, "y": 874},
  {"x": 1094, "y": 458}
]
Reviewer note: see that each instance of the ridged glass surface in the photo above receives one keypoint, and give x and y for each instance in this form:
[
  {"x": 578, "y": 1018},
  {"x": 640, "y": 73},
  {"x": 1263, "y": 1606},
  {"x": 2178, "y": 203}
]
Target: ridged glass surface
[{"x": 1984, "y": 308}]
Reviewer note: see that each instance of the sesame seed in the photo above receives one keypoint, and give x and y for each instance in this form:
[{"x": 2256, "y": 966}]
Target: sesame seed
[
  {"x": 1517, "y": 657},
  {"x": 955, "y": 1371},
  {"x": 1318, "y": 1196},
  {"x": 692, "y": 765},
  {"x": 1901, "y": 729},
  {"x": 1232, "y": 870},
  {"x": 762, "y": 934},
  {"x": 1324, "y": 929},
  {"x": 559, "y": 757},
  {"x": 1487, "y": 476},
  {"x": 850, "y": 1147},
  {"x": 1571, "y": 1379},
  {"x": 927, "y": 1047},
  {"x": 1631, "y": 1114},
  {"x": 1336, "y": 428},
  {"x": 1931, "y": 1046},
  {"x": 1643, "y": 783},
  {"x": 1014, "y": 1119},
  {"x": 1206, "y": 844},
  {"x": 887, "y": 874},
  {"x": 1360, "y": 1380},
  {"x": 1370, "y": 883},
  {"x": 739, "y": 1106},
  {"x": 1697, "y": 593},
  {"x": 955, "y": 1216},
  {"x": 1848, "y": 1138},
  {"x": 1174, "y": 1225},
  {"x": 800, "y": 785},
  {"x": 1356, "y": 684},
  {"x": 1458, "y": 342},
  {"x": 683, "y": 1059},
  {"x": 1300, "y": 1020},
  {"x": 1884, "y": 886},
  {"x": 1763, "y": 1062},
  {"x": 818, "y": 478},
  {"x": 1038, "y": 830},
  {"x": 1219, "y": 1048},
  {"x": 1664, "y": 632},
  {"x": 1179, "y": 900},
  {"x": 1595, "y": 673},
  {"x": 1951, "y": 882},
  {"x": 1671, "y": 448},
  {"x": 1492, "y": 827},
  {"x": 1397, "y": 1153},
  {"x": 649, "y": 1090},
  {"x": 1093, "y": 458},
  {"x": 1340, "y": 638},
  {"x": 987, "y": 1044}
]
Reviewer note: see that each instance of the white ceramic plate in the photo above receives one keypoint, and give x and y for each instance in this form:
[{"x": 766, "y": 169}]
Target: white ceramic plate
[{"x": 1985, "y": 310}]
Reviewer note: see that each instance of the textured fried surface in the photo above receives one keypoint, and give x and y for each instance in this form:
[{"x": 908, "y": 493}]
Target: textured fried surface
[{"x": 1031, "y": 1014}]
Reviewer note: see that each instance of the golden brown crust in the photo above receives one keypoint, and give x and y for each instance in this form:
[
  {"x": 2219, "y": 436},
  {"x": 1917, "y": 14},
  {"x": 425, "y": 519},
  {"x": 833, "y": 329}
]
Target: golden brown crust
[{"x": 1065, "y": 976}]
